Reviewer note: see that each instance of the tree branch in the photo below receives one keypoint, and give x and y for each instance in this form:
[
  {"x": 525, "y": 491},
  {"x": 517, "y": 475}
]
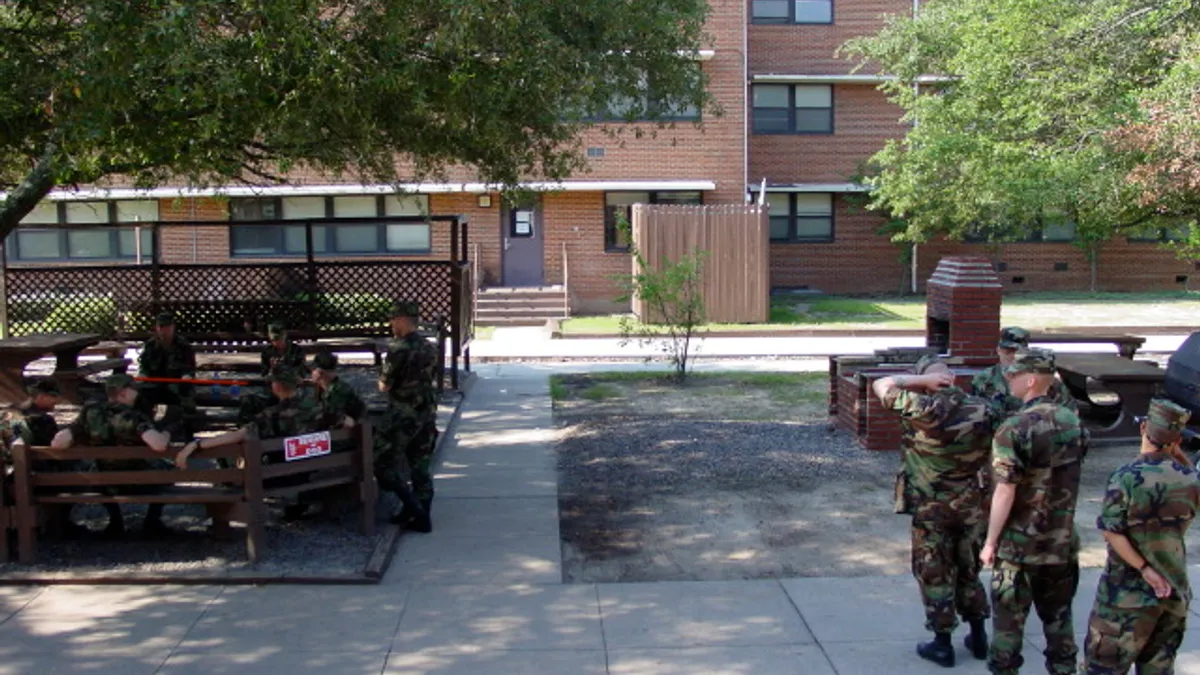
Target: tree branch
[{"x": 36, "y": 184}]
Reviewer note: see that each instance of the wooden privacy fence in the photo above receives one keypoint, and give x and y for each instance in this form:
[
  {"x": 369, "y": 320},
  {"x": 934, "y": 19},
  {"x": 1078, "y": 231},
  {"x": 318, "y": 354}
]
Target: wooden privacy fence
[{"x": 736, "y": 282}]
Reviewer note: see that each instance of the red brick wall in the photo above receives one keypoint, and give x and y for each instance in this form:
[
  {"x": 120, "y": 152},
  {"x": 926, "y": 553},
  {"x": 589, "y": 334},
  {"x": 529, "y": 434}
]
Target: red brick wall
[
  {"x": 863, "y": 120},
  {"x": 809, "y": 49}
]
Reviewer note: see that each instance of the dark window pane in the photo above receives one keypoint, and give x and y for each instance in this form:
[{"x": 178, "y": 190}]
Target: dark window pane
[
  {"x": 293, "y": 239},
  {"x": 356, "y": 238},
  {"x": 125, "y": 242},
  {"x": 677, "y": 197},
  {"x": 90, "y": 244},
  {"x": 814, "y": 120},
  {"x": 780, "y": 228},
  {"x": 617, "y": 220},
  {"x": 38, "y": 245},
  {"x": 255, "y": 240},
  {"x": 770, "y": 11},
  {"x": 408, "y": 237},
  {"x": 252, "y": 209},
  {"x": 814, "y": 228},
  {"x": 814, "y": 11},
  {"x": 770, "y": 121}
]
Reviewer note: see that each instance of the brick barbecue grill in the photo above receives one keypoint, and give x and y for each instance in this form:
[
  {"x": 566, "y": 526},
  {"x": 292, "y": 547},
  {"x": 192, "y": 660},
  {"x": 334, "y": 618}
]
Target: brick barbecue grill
[{"x": 962, "y": 322}]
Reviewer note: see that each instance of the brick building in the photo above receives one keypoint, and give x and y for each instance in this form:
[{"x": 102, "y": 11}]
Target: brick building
[{"x": 794, "y": 117}]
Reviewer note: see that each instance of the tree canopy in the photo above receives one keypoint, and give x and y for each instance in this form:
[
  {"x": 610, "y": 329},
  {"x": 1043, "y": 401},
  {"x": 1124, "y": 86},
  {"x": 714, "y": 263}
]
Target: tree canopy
[
  {"x": 1045, "y": 112},
  {"x": 218, "y": 91}
]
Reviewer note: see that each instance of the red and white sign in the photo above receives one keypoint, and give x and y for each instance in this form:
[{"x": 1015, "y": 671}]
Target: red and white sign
[{"x": 307, "y": 446}]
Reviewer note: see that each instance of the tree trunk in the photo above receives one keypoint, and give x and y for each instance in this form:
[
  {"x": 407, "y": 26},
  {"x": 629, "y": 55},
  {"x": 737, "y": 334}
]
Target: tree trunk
[{"x": 25, "y": 196}]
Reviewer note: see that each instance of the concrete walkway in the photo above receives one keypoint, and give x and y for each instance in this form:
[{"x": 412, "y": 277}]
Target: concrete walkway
[
  {"x": 535, "y": 343},
  {"x": 483, "y": 594}
]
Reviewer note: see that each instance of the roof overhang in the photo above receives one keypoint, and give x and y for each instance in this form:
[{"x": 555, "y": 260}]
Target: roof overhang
[
  {"x": 840, "y": 79},
  {"x": 91, "y": 194},
  {"x": 810, "y": 187}
]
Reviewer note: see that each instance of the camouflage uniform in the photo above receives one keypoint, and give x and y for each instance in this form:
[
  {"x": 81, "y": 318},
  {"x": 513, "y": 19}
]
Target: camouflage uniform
[
  {"x": 990, "y": 384},
  {"x": 408, "y": 429},
  {"x": 159, "y": 360},
  {"x": 1040, "y": 449},
  {"x": 108, "y": 423},
  {"x": 291, "y": 356},
  {"x": 339, "y": 399},
  {"x": 946, "y": 442},
  {"x": 1151, "y": 501}
]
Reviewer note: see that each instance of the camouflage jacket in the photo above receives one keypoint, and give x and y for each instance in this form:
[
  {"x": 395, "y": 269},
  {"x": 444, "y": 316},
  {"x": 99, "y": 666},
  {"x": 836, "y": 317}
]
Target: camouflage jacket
[
  {"x": 409, "y": 371},
  {"x": 1040, "y": 449},
  {"x": 159, "y": 360},
  {"x": 290, "y": 417},
  {"x": 1152, "y": 501},
  {"x": 947, "y": 441},
  {"x": 991, "y": 385},
  {"x": 33, "y": 426},
  {"x": 291, "y": 356},
  {"x": 107, "y": 423},
  {"x": 340, "y": 399}
]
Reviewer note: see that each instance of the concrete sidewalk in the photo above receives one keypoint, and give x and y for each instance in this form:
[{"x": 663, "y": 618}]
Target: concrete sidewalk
[
  {"x": 483, "y": 594},
  {"x": 534, "y": 343}
]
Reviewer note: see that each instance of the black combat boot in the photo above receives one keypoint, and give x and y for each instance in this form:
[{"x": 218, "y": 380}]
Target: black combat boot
[
  {"x": 411, "y": 516},
  {"x": 427, "y": 523},
  {"x": 939, "y": 650},
  {"x": 976, "y": 641}
]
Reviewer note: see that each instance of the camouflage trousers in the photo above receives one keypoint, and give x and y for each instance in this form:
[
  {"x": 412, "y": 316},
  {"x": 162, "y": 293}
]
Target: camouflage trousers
[
  {"x": 945, "y": 562},
  {"x": 253, "y": 403},
  {"x": 405, "y": 438},
  {"x": 1119, "y": 637},
  {"x": 1050, "y": 590}
]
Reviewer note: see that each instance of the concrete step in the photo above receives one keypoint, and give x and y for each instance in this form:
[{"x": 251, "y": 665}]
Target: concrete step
[
  {"x": 510, "y": 321},
  {"x": 537, "y": 312},
  {"x": 521, "y": 304},
  {"x": 521, "y": 290}
]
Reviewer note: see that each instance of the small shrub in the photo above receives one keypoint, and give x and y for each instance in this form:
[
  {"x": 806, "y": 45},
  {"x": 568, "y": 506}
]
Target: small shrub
[{"x": 83, "y": 315}]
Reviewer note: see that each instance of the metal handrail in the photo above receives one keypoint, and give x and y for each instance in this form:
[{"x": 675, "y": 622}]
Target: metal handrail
[{"x": 566, "y": 283}]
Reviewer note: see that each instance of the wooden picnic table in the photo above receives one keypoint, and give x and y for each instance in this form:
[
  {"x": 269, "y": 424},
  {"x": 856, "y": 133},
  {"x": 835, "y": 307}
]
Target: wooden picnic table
[
  {"x": 18, "y": 352},
  {"x": 1134, "y": 382},
  {"x": 1127, "y": 345}
]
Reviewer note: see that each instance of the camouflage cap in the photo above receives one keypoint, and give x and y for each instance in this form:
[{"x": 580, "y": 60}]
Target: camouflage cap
[
  {"x": 284, "y": 375},
  {"x": 119, "y": 381},
  {"x": 1032, "y": 360},
  {"x": 1013, "y": 337},
  {"x": 1165, "y": 420},
  {"x": 406, "y": 308},
  {"x": 325, "y": 361},
  {"x": 276, "y": 330},
  {"x": 925, "y": 363},
  {"x": 164, "y": 319},
  {"x": 47, "y": 386}
]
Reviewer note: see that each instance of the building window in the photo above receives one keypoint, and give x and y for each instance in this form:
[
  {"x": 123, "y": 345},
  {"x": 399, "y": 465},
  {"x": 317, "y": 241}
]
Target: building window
[
  {"x": 793, "y": 109},
  {"x": 1057, "y": 229},
  {"x": 617, "y": 207},
  {"x": 800, "y": 216},
  {"x": 370, "y": 235},
  {"x": 646, "y": 103},
  {"x": 46, "y": 233},
  {"x": 792, "y": 11},
  {"x": 1171, "y": 233}
]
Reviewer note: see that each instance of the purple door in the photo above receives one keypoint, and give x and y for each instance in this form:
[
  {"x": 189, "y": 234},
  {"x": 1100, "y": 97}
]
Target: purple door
[{"x": 522, "y": 234}]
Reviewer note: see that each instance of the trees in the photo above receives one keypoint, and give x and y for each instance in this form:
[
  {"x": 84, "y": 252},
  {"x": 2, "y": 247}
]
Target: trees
[
  {"x": 214, "y": 91},
  {"x": 1037, "y": 118}
]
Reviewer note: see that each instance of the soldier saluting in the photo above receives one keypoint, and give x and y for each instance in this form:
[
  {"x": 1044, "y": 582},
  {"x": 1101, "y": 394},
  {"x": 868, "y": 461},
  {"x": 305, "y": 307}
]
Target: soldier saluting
[
  {"x": 947, "y": 441},
  {"x": 1141, "y": 607}
]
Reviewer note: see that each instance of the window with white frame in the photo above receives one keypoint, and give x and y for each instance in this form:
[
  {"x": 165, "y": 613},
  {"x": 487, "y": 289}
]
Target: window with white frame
[
  {"x": 793, "y": 108},
  {"x": 84, "y": 231},
  {"x": 791, "y": 11},
  {"x": 800, "y": 216},
  {"x": 361, "y": 226}
]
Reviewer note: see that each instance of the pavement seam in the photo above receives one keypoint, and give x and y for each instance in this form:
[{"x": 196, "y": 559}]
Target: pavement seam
[
  {"x": 603, "y": 636},
  {"x": 392, "y": 642},
  {"x": 23, "y": 605},
  {"x": 816, "y": 641},
  {"x": 203, "y": 613}
]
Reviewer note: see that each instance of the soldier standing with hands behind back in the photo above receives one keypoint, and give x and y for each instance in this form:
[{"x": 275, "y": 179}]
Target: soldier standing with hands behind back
[
  {"x": 947, "y": 440},
  {"x": 1032, "y": 545},
  {"x": 408, "y": 430},
  {"x": 1141, "y": 607}
]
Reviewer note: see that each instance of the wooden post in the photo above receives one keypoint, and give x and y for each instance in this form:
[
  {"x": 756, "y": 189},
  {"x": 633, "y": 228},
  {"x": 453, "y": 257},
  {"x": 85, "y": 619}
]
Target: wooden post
[
  {"x": 466, "y": 226},
  {"x": 313, "y": 301},
  {"x": 454, "y": 252},
  {"x": 155, "y": 274},
  {"x": 256, "y": 511},
  {"x": 4, "y": 331},
  {"x": 368, "y": 489},
  {"x": 25, "y": 509}
]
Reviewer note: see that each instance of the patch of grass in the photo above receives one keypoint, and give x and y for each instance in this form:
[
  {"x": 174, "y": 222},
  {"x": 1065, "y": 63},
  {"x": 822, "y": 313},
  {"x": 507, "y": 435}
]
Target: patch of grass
[
  {"x": 600, "y": 392},
  {"x": 484, "y": 332},
  {"x": 558, "y": 390}
]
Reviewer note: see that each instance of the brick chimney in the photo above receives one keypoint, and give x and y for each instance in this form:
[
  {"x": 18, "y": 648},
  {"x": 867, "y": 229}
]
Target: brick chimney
[{"x": 962, "y": 311}]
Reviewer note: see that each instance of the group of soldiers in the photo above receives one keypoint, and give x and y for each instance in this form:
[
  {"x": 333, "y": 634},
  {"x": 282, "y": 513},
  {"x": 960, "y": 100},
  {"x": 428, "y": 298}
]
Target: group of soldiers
[
  {"x": 404, "y": 439},
  {"x": 991, "y": 478}
]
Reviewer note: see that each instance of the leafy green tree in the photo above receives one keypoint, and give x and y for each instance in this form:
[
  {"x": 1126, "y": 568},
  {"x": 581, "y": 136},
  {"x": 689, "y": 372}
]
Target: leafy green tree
[
  {"x": 1019, "y": 128},
  {"x": 219, "y": 91}
]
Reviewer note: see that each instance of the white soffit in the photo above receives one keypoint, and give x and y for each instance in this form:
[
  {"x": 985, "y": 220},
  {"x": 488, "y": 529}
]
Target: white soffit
[{"x": 810, "y": 187}]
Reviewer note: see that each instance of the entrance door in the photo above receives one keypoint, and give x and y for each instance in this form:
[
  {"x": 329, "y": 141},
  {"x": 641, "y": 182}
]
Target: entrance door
[{"x": 521, "y": 229}]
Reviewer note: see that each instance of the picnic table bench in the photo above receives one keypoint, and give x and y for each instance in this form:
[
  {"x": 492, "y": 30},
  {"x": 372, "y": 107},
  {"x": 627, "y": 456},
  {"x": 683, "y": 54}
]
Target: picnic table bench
[
  {"x": 18, "y": 352},
  {"x": 238, "y": 493},
  {"x": 1134, "y": 383},
  {"x": 1127, "y": 345}
]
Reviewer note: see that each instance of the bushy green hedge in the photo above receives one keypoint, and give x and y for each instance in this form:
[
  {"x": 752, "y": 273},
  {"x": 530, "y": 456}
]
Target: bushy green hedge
[
  {"x": 83, "y": 315},
  {"x": 339, "y": 309}
]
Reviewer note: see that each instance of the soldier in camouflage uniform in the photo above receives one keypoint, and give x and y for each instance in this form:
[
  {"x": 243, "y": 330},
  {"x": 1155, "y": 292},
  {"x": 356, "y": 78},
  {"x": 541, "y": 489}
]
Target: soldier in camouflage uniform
[
  {"x": 408, "y": 431},
  {"x": 991, "y": 385},
  {"x": 1141, "y": 607},
  {"x": 279, "y": 352},
  {"x": 168, "y": 355},
  {"x": 118, "y": 421},
  {"x": 1037, "y": 459},
  {"x": 947, "y": 441},
  {"x": 337, "y": 399},
  {"x": 31, "y": 421}
]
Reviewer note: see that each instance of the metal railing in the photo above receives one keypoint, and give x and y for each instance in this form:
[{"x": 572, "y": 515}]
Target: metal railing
[{"x": 566, "y": 283}]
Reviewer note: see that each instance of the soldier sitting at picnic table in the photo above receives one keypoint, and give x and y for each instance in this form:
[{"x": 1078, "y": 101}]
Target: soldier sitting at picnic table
[
  {"x": 115, "y": 422},
  {"x": 168, "y": 355},
  {"x": 280, "y": 351},
  {"x": 337, "y": 398}
]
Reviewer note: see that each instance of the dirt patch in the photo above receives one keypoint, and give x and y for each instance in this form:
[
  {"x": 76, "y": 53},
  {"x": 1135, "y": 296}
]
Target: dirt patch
[{"x": 661, "y": 483}]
